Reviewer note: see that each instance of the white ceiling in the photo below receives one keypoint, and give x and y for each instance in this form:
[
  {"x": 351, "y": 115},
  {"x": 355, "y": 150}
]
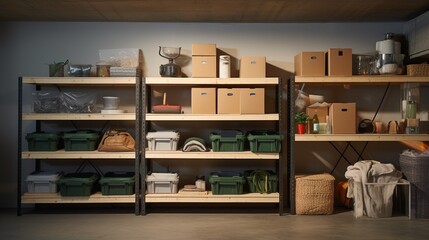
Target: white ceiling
[{"x": 212, "y": 10}]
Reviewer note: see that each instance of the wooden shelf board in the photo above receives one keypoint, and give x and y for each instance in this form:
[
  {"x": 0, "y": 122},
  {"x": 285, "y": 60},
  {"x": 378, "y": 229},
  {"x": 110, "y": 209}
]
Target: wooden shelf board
[
  {"x": 78, "y": 116},
  {"x": 212, "y": 117},
  {"x": 80, "y": 80},
  {"x": 210, "y": 155},
  {"x": 210, "y": 81},
  {"x": 210, "y": 198},
  {"x": 361, "y": 137},
  {"x": 57, "y": 198},
  {"x": 61, "y": 154},
  {"x": 362, "y": 79}
]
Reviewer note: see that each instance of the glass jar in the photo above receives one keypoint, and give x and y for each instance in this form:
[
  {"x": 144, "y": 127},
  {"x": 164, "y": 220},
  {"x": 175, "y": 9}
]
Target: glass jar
[{"x": 103, "y": 69}]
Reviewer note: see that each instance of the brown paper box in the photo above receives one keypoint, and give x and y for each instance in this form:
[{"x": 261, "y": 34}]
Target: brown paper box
[
  {"x": 252, "y": 100},
  {"x": 310, "y": 64},
  {"x": 228, "y": 101},
  {"x": 339, "y": 62},
  {"x": 252, "y": 67},
  {"x": 204, "y": 66},
  {"x": 203, "y": 100},
  {"x": 343, "y": 117}
]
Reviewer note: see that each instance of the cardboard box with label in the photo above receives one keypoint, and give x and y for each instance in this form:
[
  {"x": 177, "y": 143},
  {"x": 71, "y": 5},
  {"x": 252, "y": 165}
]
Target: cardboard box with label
[
  {"x": 228, "y": 101},
  {"x": 204, "y": 61},
  {"x": 310, "y": 64},
  {"x": 252, "y": 100},
  {"x": 343, "y": 118},
  {"x": 322, "y": 112},
  {"x": 203, "y": 100},
  {"x": 339, "y": 62},
  {"x": 252, "y": 67}
]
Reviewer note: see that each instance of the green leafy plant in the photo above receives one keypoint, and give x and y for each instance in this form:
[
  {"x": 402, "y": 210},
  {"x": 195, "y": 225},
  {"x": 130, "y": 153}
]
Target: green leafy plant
[
  {"x": 301, "y": 117},
  {"x": 55, "y": 67}
]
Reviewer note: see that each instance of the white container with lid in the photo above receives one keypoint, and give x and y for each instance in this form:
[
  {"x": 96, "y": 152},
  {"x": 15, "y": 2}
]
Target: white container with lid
[
  {"x": 43, "y": 182},
  {"x": 162, "y": 182},
  {"x": 163, "y": 140}
]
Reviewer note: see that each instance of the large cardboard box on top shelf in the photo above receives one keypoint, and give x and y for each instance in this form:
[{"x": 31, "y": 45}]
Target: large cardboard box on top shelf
[
  {"x": 253, "y": 67},
  {"x": 310, "y": 64},
  {"x": 339, "y": 62},
  {"x": 204, "y": 61},
  {"x": 203, "y": 100},
  {"x": 228, "y": 101},
  {"x": 343, "y": 118},
  {"x": 252, "y": 100}
]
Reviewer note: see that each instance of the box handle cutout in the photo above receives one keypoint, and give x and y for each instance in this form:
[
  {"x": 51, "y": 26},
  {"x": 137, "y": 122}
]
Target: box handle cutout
[
  {"x": 343, "y": 109},
  {"x": 203, "y": 94},
  {"x": 340, "y": 53},
  {"x": 230, "y": 94},
  {"x": 204, "y": 62},
  {"x": 313, "y": 57},
  {"x": 252, "y": 94},
  {"x": 252, "y": 62}
]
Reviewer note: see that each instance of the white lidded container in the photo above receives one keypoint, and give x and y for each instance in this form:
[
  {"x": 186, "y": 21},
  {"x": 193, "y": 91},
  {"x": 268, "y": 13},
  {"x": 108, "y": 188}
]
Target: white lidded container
[
  {"x": 224, "y": 66},
  {"x": 162, "y": 183},
  {"x": 163, "y": 140},
  {"x": 43, "y": 182}
]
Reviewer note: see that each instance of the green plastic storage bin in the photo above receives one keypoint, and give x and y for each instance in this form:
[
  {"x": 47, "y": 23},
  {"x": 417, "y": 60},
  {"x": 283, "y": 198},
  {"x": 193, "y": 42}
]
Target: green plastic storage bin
[
  {"x": 261, "y": 181},
  {"x": 227, "y": 183},
  {"x": 78, "y": 184},
  {"x": 117, "y": 183},
  {"x": 81, "y": 141},
  {"x": 41, "y": 141},
  {"x": 265, "y": 141},
  {"x": 227, "y": 141}
]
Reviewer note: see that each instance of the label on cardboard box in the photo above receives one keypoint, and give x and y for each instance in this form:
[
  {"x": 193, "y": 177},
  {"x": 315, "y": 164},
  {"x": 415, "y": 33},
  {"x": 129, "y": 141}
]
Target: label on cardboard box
[
  {"x": 310, "y": 64},
  {"x": 343, "y": 117},
  {"x": 203, "y": 100},
  {"x": 252, "y": 100},
  {"x": 252, "y": 67},
  {"x": 228, "y": 101},
  {"x": 204, "y": 66},
  {"x": 203, "y": 49},
  {"x": 339, "y": 62}
]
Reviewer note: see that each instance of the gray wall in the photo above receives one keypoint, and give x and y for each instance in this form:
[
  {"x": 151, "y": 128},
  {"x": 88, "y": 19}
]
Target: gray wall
[{"x": 26, "y": 49}]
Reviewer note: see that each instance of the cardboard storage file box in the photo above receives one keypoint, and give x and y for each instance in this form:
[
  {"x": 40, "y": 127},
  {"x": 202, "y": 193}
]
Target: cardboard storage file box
[
  {"x": 228, "y": 101},
  {"x": 162, "y": 183},
  {"x": 310, "y": 64},
  {"x": 117, "y": 183},
  {"x": 343, "y": 118},
  {"x": 252, "y": 100},
  {"x": 204, "y": 62},
  {"x": 339, "y": 62},
  {"x": 253, "y": 67},
  {"x": 43, "y": 182},
  {"x": 226, "y": 183},
  {"x": 314, "y": 194},
  {"x": 163, "y": 140},
  {"x": 203, "y": 100}
]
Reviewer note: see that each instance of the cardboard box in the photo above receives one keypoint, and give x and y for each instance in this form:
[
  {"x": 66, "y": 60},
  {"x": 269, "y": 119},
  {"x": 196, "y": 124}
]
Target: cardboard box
[
  {"x": 252, "y": 67},
  {"x": 322, "y": 113},
  {"x": 228, "y": 101},
  {"x": 252, "y": 100},
  {"x": 310, "y": 64},
  {"x": 343, "y": 117},
  {"x": 203, "y": 100},
  {"x": 204, "y": 66},
  {"x": 203, "y": 49},
  {"x": 339, "y": 62}
]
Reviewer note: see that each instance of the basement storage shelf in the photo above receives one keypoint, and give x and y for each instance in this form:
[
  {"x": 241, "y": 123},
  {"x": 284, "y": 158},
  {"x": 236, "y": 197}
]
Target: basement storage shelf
[
  {"x": 131, "y": 83},
  {"x": 219, "y": 120},
  {"x": 326, "y": 82}
]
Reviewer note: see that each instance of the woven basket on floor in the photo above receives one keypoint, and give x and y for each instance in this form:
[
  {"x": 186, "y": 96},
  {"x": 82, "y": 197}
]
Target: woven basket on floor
[
  {"x": 418, "y": 69},
  {"x": 315, "y": 194},
  {"x": 416, "y": 171}
]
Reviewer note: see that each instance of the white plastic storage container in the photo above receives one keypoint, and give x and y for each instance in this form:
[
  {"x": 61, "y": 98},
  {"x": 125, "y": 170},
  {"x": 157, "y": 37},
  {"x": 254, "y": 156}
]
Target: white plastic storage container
[
  {"x": 162, "y": 182},
  {"x": 163, "y": 140},
  {"x": 43, "y": 182}
]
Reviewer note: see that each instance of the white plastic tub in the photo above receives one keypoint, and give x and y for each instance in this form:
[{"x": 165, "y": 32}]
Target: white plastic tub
[
  {"x": 43, "y": 182},
  {"x": 163, "y": 140},
  {"x": 162, "y": 183}
]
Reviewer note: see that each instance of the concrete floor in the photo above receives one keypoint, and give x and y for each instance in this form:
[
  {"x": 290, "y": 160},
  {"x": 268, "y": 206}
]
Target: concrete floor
[{"x": 219, "y": 226}]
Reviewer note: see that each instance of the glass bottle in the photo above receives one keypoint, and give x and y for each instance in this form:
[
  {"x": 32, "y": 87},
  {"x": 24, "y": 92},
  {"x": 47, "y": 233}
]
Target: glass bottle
[{"x": 316, "y": 124}]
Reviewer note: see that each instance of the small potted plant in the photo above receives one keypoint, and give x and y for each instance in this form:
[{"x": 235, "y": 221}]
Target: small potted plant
[{"x": 301, "y": 120}]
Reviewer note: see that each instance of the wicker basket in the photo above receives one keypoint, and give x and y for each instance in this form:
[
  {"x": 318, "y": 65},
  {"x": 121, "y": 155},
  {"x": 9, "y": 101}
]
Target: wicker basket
[
  {"x": 315, "y": 194},
  {"x": 418, "y": 69},
  {"x": 416, "y": 171}
]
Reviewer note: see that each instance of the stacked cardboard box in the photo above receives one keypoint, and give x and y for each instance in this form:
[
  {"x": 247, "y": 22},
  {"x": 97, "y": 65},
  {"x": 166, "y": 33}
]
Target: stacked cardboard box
[{"x": 204, "y": 60}]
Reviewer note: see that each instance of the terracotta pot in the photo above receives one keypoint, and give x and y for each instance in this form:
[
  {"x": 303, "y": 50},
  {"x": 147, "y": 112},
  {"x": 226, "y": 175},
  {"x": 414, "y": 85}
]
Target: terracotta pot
[{"x": 301, "y": 128}]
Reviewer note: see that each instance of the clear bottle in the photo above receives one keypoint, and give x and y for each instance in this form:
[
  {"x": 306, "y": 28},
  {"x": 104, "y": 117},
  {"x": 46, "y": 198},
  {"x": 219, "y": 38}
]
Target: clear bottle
[{"x": 316, "y": 124}]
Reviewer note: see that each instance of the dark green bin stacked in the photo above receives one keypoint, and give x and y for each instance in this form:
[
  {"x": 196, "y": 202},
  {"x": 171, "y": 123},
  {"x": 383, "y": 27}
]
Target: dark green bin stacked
[
  {"x": 261, "y": 181},
  {"x": 265, "y": 141},
  {"x": 78, "y": 184},
  {"x": 117, "y": 183},
  {"x": 81, "y": 141},
  {"x": 227, "y": 183},
  {"x": 227, "y": 141},
  {"x": 41, "y": 141}
]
